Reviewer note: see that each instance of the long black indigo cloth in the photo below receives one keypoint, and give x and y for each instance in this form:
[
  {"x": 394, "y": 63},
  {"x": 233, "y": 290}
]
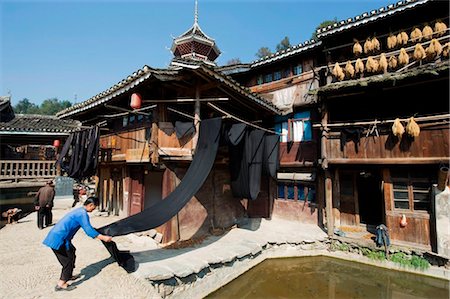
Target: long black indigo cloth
[
  {"x": 205, "y": 154},
  {"x": 184, "y": 129},
  {"x": 271, "y": 160},
  {"x": 79, "y": 155},
  {"x": 353, "y": 134},
  {"x": 246, "y": 160}
]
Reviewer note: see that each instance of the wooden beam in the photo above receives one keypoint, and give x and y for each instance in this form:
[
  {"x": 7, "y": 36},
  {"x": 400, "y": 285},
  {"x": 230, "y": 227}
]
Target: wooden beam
[{"x": 187, "y": 100}]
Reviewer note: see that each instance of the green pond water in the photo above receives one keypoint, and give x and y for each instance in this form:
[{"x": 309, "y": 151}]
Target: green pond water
[{"x": 323, "y": 277}]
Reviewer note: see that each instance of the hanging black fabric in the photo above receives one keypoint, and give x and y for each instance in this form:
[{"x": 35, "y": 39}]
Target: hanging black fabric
[
  {"x": 183, "y": 129},
  {"x": 271, "y": 161},
  {"x": 196, "y": 175},
  {"x": 79, "y": 155},
  {"x": 236, "y": 132},
  {"x": 246, "y": 159},
  {"x": 353, "y": 134}
]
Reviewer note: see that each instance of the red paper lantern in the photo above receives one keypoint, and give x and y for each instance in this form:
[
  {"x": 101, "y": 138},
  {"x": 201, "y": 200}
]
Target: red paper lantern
[
  {"x": 56, "y": 143},
  {"x": 136, "y": 101}
]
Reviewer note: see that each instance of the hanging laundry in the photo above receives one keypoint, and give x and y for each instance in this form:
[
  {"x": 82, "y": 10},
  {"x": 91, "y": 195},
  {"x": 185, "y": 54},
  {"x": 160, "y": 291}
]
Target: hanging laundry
[
  {"x": 235, "y": 133},
  {"x": 183, "y": 129},
  {"x": 271, "y": 160},
  {"x": 353, "y": 134}
]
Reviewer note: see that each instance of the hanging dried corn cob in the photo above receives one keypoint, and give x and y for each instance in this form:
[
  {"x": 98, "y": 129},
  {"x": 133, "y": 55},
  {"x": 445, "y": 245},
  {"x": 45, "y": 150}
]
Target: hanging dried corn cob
[
  {"x": 416, "y": 35},
  {"x": 440, "y": 28},
  {"x": 391, "y": 41},
  {"x": 371, "y": 65},
  {"x": 337, "y": 72},
  {"x": 368, "y": 47},
  {"x": 412, "y": 128},
  {"x": 359, "y": 66},
  {"x": 357, "y": 49},
  {"x": 446, "y": 50},
  {"x": 392, "y": 62},
  {"x": 402, "y": 38},
  {"x": 397, "y": 128},
  {"x": 375, "y": 44},
  {"x": 349, "y": 70},
  {"x": 434, "y": 49},
  {"x": 427, "y": 32},
  {"x": 419, "y": 52},
  {"x": 403, "y": 57},
  {"x": 383, "y": 63}
]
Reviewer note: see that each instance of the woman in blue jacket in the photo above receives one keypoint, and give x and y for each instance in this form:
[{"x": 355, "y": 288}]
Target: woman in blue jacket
[{"x": 59, "y": 239}]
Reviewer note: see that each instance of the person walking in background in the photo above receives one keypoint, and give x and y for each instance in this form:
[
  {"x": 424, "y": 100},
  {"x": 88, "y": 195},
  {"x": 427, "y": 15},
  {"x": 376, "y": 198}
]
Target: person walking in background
[
  {"x": 59, "y": 239},
  {"x": 43, "y": 203}
]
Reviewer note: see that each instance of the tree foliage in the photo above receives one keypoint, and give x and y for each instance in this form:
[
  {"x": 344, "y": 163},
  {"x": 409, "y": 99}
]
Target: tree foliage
[
  {"x": 263, "y": 52},
  {"x": 284, "y": 44},
  {"x": 321, "y": 25},
  {"x": 48, "y": 107},
  {"x": 233, "y": 61}
]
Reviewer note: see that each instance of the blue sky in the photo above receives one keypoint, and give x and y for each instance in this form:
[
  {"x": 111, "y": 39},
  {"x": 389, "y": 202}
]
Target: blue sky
[{"x": 62, "y": 49}]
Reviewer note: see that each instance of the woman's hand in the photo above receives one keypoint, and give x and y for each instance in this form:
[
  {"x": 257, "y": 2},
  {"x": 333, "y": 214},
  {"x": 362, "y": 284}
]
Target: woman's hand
[{"x": 104, "y": 238}]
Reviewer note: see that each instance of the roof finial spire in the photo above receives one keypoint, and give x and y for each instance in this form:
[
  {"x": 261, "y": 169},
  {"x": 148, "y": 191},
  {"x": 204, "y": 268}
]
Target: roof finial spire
[{"x": 196, "y": 13}]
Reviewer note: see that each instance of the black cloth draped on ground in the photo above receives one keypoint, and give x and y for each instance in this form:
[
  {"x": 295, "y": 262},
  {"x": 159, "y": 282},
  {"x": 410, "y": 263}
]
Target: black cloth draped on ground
[
  {"x": 351, "y": 134},
  {"x": 255, "y": 151},
  {"x": 183, "y": 129},
  {"x": 79, "y": 155},
  {"x": 198, "y": 171}
]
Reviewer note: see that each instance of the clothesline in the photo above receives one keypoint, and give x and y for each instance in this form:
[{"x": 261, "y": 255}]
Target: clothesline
[
  {"x": 417, "y": 119},
  {"x": 241, "y": 120}
]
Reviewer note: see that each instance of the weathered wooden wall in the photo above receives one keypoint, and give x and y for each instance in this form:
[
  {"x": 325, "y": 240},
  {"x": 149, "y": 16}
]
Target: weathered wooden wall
[
  {"x": 298, "y": 153},
  {"x": 129, "y": 145}
]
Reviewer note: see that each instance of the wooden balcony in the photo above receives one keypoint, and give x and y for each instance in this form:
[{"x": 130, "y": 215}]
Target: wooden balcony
[
  {"x": 23, "y": 171},
  {"x": 431, "y": 146},
  {"x": 298, "y": 153}
]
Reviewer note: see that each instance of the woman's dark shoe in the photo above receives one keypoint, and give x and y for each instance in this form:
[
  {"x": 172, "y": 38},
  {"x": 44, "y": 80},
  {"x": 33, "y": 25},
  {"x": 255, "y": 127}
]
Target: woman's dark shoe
[{"x": 68, "y": 288}]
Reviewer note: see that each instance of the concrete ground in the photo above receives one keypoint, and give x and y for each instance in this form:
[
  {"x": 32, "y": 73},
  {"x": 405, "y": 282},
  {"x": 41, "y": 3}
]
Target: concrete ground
[{"x": 30, "y": 270}]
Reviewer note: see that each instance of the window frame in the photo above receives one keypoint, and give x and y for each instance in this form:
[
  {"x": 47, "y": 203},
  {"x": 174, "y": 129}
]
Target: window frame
[
  {"x": 410, "y": 182},
  {"x": 307, "y": 189}
]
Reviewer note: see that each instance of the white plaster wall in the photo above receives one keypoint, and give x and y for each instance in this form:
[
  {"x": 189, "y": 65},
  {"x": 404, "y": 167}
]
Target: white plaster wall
[{"x": 442, "y": 212}]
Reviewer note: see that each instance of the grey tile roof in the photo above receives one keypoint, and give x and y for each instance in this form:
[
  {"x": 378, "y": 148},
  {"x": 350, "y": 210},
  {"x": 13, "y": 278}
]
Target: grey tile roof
[
  {"x": 302, "y": 47},
  {"x": 38, "y": 124},
  {"x": 141, "y": 75},
  {"x": 368, "y": 17}
]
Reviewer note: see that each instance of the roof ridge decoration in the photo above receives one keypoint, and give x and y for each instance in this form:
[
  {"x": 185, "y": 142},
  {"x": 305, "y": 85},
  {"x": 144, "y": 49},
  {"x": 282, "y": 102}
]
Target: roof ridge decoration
[
  {"x": 194, "y": 44},
  {"x": 367, "y": 17}
]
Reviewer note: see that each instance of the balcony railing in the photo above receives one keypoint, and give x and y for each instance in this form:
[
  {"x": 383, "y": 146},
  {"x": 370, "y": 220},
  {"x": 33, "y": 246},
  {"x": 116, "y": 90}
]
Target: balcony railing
[{"x": 28, "y": 169}]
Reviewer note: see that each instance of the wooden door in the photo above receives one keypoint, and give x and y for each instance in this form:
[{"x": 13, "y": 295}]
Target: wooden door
[
  {"x": 137, "y": 190},
  {"x": 348, "y": 199},
  {"x": 260, "y": 207}
]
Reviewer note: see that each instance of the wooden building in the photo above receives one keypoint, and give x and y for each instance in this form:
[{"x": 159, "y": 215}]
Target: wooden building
[
  {"x": 375, "y": 173},
  {"x": 27, "y": 152},
  {"x": 143, "y": 160}
]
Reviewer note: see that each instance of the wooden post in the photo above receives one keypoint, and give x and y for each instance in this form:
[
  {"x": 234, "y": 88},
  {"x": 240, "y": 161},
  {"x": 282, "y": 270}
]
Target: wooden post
[
  {"x": 329, "y": 203},
  {"x": 196, "y": 116}
]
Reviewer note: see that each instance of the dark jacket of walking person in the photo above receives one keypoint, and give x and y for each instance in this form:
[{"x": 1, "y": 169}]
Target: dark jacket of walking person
[
  {"x": 59, "y": 239},
  {"x": 43, "y": 204}
]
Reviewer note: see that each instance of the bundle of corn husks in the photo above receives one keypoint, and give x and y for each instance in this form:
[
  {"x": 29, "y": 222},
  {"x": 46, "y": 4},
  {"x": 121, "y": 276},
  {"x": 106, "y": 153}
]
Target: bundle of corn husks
[
  {"x": 434, "y": 49},
  {"x": 412, "y": 128},
  {"x": 359, "y": 66},
  {"x": 440, "y": 28},
  {"x": 349, "y": 70},
  {"x": 402, "y": 38},
  {"x": 446, "y": 49},
  {"x": 371, "y": 65},
  {"x": 392, "y": 62},
  {"x": 416, "y": 35},
  {"x": 383, "y": 63},
  {"x": 391, "y": 41},
  {"x": 375, "y": 44},
  {"x": 427, "y": 32},
  {"x": 337, "y": 72},
  {"x": 419, "y": 52},
  {"x": 397, "y": 128},
  {"x": 368, "y": 47},
  {"x": 357, "y": 48},
  {"x": 403, "y": 57}
]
